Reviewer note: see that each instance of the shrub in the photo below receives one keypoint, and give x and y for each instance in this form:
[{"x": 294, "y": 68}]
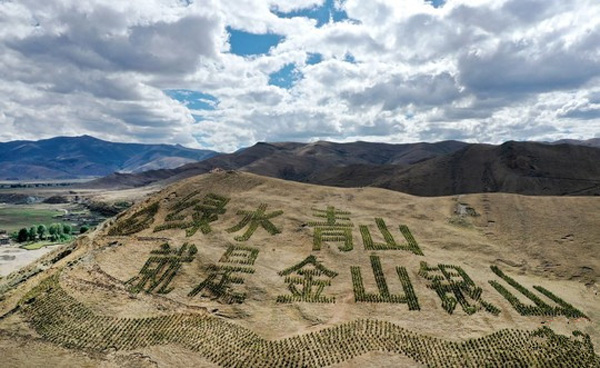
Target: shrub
[{"x": 66, "y": 229}]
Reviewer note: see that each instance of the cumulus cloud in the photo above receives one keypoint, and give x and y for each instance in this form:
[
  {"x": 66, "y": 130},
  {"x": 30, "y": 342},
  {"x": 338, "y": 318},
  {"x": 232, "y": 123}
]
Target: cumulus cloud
[{"x": 388, "y": 70}]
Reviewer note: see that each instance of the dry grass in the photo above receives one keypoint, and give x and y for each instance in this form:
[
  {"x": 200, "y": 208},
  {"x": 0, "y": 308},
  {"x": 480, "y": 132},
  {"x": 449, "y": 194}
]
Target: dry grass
[{"x": 544, "y": 241}]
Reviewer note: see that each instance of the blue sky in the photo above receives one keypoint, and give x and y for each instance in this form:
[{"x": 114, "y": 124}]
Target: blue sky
[
  {"x": 218, "y": 76},
  {"x": 193, "y": 100},
  {"x": 285, "y": 77},
  {"x": 246, "y": 43},
  {"x": 327, "y": 12},
  {"x": 437, "y": 3}
]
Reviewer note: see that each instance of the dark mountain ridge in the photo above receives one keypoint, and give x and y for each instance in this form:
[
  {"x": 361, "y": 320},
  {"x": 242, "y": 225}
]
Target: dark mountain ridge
[
  {"x": 425, "y": 169},
  {"x": 593, "y": 142},
  {"x": 513, "y": 167},
  {"x": 292, "y": 161}
]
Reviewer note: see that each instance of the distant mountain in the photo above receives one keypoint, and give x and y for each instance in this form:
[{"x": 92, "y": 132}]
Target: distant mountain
[
  {"x": 594, "y": 142},
  {"x": 426, "y": 169},
  {"x": 513, "y": 167},
  {"x": 304, "y": 162},
  {"x": 85, "y": 156}
]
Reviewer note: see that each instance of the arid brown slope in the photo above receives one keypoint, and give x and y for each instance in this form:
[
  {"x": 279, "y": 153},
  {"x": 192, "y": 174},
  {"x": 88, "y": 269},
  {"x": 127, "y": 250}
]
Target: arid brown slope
[
  {"x": 292, "y": 161},
  {"x": 514, "y": 167},
  {"x": 444, "y": 168},
  {"x": 91, "y": 306}
]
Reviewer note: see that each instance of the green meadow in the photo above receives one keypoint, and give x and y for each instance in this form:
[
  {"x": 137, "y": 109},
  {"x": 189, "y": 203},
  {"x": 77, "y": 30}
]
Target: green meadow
[{"x": 16, "y": 217}]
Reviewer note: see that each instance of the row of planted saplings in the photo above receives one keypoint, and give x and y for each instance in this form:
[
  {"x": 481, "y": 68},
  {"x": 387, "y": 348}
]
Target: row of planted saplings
[
  {"x": 270, "y": 227},
  {"x": 412, "y": 243},
  {"x": 307, "y": 294},
  {"x": 183, "y": 202},
  {"x": 173, "y": 225},
  {"x": 355, "y": 339},
  {"x": 384, "y": 296},
  {"x": 346, "y": 341},
  {"x": 131, "y": 333},
  {"x": 137, "y": 222},
  {"x": 390, "y": 242},
  {"x": 540, "y": 308},
  {"x": 409, "y": 291},
  {"x": 323, "y": 348},
  {"x": 223, "y": 343},
  {"x": 330, "y": 346},
  {"x": 329, "y": 225},
  {"x": 174, "y": 217},
  {"x": 245, "y": 255},
  {"x": 62, "y": 319}
]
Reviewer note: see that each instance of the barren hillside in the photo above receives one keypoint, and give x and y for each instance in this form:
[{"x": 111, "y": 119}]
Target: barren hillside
[
  {"x": 438, "y": 169},
  {"x": 237, "y": 270}
]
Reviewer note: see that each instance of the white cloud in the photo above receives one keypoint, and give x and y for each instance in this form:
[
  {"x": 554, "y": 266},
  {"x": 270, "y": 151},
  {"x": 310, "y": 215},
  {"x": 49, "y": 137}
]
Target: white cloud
[{"x": 482, "y": 70}]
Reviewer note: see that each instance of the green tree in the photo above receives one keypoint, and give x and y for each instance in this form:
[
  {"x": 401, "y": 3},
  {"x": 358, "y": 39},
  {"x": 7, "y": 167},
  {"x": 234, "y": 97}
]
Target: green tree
[
  {"x": 41, "y": 230},
  {"x": 66, "y": 229},
  {"x": 55, "y": 229},
  {"x": 32, "y": 233},
  {"x": 84, "y": 229},
  {"x": 23, "y": 235}
]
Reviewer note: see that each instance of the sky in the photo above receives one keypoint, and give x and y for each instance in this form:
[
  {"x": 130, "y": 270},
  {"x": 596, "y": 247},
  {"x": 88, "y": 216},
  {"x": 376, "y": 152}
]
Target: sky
[{"x": 224, "y": 75}]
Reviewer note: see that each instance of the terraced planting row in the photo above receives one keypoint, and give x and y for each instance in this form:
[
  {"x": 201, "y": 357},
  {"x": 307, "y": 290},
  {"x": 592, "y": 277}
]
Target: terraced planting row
[{"x": 61, "y": 319}]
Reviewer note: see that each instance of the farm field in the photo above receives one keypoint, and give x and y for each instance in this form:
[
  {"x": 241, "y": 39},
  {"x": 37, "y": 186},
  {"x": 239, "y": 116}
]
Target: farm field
[
  {"x": 237, "y": 270},
  {"x": 15, "y": 217}
]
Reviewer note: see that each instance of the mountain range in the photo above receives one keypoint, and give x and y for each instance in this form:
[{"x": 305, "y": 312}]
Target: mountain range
[
  {"x": 593, "y": 142},
  {"x": 425, "y": 169},
  {"x": 85, "y": 156},
  {"x": 567, "y": 167}
]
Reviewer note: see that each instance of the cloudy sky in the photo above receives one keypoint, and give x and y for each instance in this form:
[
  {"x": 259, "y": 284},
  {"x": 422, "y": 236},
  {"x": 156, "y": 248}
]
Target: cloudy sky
[{"x": 225, "y": 74}]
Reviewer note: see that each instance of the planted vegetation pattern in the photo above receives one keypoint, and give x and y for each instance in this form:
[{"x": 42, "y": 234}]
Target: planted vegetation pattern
[
  {"x": 62, "y": 320},
  {"x": 273, "y": 279}
]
